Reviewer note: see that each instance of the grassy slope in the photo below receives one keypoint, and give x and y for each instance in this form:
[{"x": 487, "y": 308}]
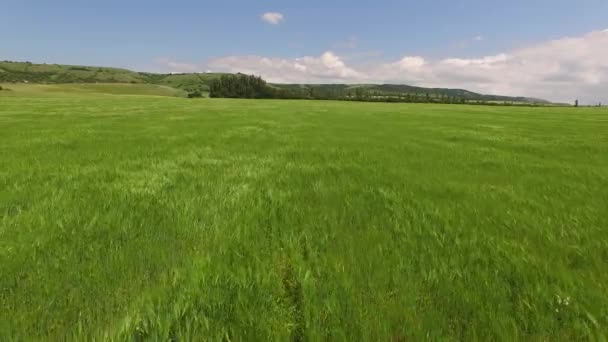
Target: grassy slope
[
  {"x": 190, "y": 81},
  {"x": 263, "y": 220},
  {"x": 66, "y": 74},
  {"x": 70, "y": 89},
  {"x": 55, "y": 73}
]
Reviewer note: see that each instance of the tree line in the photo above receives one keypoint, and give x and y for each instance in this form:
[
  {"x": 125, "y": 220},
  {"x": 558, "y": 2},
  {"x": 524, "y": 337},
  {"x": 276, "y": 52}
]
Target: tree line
[
  {"x": 240, "y": 86},
  {"x": 254, "y": 87}
]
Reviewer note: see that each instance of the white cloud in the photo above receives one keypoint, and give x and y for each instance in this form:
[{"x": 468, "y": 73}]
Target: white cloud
[
  {"x": 300, "y": 67},
  {"x": 411, "y": 63},
  {"x": 484, "y": 62},
  {"x": 326, "y": 68},
  {"x": 558, "y": 70},
  {"x": 335, "y": 64},
  {"x": 478, "y": 38},
  {"x": 273, "y": 18}
]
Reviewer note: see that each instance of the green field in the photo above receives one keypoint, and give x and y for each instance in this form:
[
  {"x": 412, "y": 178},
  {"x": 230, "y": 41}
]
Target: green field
[
  {"x": 74, "y": 89},
  {"x": 146, "y": 217}
]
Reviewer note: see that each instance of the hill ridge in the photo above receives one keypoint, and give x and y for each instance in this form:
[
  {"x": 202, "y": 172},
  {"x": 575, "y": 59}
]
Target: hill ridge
[{"x": 198, "y": 83}]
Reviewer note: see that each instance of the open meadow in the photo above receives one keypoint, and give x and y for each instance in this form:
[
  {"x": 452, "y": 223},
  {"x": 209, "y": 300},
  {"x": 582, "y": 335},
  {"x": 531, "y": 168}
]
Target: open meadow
[{"x": 150, "y": 217}]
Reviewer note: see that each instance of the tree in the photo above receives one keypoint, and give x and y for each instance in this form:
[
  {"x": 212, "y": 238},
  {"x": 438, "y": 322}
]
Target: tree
[
  {"x": 576, "y": 103},
  {"x": 243, "y": 86}
]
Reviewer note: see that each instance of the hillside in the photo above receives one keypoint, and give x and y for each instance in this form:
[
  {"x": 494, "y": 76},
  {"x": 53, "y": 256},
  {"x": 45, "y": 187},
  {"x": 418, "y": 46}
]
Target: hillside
[
  {"x": 20, "y": 72},
  {"x": 32, "y": 89}
]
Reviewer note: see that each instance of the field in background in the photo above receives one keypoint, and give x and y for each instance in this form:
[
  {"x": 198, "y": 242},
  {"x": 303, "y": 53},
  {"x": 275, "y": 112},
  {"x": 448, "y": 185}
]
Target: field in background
[
  {"x": 156, "y": 217},
  {"x": 74, "y": 89}
]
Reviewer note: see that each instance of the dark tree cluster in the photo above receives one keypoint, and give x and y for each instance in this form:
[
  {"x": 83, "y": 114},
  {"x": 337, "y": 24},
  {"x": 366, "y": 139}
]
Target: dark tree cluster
[
  {"x": 370, "y": 95},
  {"x": 240, "y": 86}
]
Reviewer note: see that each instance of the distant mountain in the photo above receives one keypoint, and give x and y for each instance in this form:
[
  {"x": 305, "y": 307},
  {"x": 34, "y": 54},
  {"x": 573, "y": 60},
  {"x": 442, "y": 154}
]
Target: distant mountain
[{"x": 18, "y": 72}]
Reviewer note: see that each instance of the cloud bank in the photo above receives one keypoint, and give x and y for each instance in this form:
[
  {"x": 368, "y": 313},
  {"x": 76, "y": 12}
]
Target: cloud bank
[{"x": 558, "y": 70}]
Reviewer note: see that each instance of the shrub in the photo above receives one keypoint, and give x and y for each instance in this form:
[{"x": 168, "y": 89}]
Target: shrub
[{"x": 195, "y": 94}]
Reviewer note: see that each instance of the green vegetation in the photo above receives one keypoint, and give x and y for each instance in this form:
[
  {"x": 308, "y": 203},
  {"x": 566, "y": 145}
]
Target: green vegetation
[
  {"x": 254, "y": 87},
  {"x": 192, "y": 83},
  {"x": 241, "y": 86},
  {"x": 401, "y": 93},
  {"x": 53, "y": 73},
  {"x": 28, "y": 89},
  {"x": 139, "y": 217},
  {"x": 17, "y": 72}
]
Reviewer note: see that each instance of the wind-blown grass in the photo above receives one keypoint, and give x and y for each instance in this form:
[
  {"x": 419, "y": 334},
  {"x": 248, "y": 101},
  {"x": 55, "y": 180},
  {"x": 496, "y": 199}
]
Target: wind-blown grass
[{"x": 150, "y": 217}]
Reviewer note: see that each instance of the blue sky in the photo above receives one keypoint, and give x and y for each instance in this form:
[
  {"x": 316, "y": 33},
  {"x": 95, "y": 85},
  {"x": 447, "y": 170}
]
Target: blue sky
[{"x": 147, "y": 35}]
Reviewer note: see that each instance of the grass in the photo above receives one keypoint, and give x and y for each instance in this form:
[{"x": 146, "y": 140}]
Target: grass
[
  {"x": 123, "y": 80},
  {"x": 55, "y": 73},
  {"x": 138, "y": 217},
  {"x": 72, "y": 89}
]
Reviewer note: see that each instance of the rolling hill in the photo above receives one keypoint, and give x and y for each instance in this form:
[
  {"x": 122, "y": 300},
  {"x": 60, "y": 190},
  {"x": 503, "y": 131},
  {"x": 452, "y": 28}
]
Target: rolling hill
[
  {"x": 21, "y": 72},
  {"x": 32, "y": 89}
]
